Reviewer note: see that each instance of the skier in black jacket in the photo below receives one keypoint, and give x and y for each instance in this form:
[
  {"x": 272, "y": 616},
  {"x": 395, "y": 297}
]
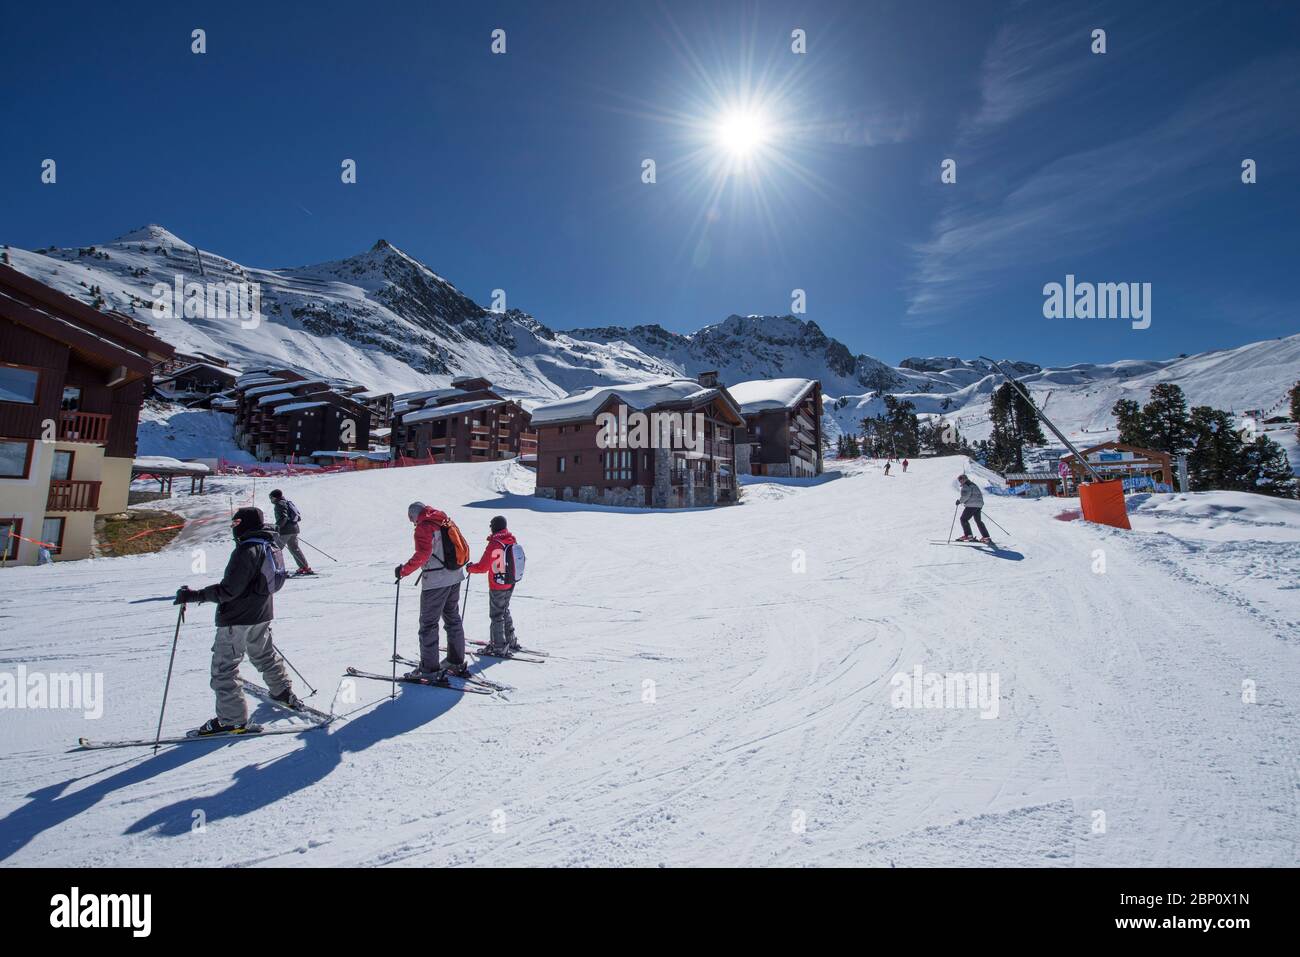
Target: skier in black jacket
[
  {"x": 245, "y": 608},
  {"x": 287, "y": 517}
]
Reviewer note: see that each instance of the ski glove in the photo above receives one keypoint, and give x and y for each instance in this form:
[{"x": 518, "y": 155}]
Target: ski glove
[
  {"x": 187, "y": 595},
  {"x": 398, "y": 572}
]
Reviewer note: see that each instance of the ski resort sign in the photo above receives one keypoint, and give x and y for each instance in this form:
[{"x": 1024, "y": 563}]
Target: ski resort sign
[{"x": 1102, "y": 300}]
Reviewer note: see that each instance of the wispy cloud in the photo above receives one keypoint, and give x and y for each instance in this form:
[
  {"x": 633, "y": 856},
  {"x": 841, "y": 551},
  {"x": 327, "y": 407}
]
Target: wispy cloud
[{"x": 1085, "y": 200}]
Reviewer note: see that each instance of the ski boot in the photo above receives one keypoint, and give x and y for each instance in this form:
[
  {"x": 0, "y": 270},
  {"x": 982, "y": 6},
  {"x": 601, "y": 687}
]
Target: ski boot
[
  {"x": 288, "y": 699},
  {"x": 964, "y": 538},
  {"x": 214, "y": 726},
  {"x": 420, "y": 674},
  {"x": 986, "y": 540},
  {"x": 460, "y": 670}
]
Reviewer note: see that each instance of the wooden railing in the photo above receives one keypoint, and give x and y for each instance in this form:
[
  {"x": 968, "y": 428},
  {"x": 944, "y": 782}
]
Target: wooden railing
[
  {"x": 83, "y": 427},
  {"x": 72, "y": 495}
]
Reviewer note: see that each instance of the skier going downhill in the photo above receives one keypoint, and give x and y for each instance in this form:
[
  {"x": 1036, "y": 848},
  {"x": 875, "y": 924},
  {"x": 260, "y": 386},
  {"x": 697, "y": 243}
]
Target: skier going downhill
[
  {"x": 502, "y": 561},
  {"x": 904, "y": 465},
  {"x": 973, "y": 499},
  {"x": 441, "y": 554},
  {"x": 287, "y": 518},
  {"x": 244, "y": 612}
]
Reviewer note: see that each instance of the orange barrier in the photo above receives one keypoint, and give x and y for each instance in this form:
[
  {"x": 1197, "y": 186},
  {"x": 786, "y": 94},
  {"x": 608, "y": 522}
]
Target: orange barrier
[{"x": 1103, "y": 503}]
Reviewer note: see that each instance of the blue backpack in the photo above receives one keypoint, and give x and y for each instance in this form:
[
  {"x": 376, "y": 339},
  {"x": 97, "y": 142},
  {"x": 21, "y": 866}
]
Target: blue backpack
[{"x": 273, "y": 570}]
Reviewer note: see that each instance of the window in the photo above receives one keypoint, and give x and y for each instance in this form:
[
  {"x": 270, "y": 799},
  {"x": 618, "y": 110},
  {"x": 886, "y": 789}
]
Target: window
[
  {"x": 618, "y": 466},
  {"x": 577, "y": 460},
  {"x": 10, "y": 530},
  {"x": 52, "y": 534},
  {"x": 15, "y": 458},
  {"x": 71, "y": 398},
  {"x": 18, "y": 384},
  {"x": 62, "y": 467},
  {"x": 559, "y": 464}
]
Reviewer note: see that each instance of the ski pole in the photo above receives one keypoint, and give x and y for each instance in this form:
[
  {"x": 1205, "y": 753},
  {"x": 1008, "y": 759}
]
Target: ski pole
[
  {"x": 286, "y": 660},
  {"x": 994, "y": 521},
  {"x": 954, "y": 523},
  {"x": 180, "y": 617},
  {"x": 141, "y": 601},
  {"x": 396, "y": 602},
  {"x": 310, "y": 545},
  {"x": 464, "y": 604}
]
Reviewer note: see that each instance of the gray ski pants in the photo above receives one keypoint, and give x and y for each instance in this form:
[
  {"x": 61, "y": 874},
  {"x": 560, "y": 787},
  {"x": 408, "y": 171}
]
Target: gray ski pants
[
  {"x": 503, "y": 626},
  {"x": 291, "y": 543},
  {"x": 228, "y": 650},
  {"x": 441, "y": 603}
]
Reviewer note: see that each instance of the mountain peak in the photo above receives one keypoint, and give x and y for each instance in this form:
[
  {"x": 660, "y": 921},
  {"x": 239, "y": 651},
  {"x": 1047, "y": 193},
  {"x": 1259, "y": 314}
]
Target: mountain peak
[{"x": 152, "y": 233}]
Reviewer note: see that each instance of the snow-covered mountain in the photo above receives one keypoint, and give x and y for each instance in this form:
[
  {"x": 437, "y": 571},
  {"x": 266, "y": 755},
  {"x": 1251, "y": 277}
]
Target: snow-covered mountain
[{"x": 384, "y": 319}]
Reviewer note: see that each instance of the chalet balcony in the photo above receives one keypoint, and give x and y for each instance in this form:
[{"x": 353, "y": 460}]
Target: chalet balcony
[
  {"x": 479, "y": 446},
  {"x": 72, "y": 495},
  {"x": 90, "y": 427}
]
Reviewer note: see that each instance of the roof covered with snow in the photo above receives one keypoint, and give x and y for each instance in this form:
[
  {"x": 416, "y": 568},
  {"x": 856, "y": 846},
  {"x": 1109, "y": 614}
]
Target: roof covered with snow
[
  {"x": 298, "y": 407},
  {"x": 762, "y": 395},
  {"x": 165, "y": 463},
  {"x": 446, "y": 411},
  {"x": 636, "y": 395}
]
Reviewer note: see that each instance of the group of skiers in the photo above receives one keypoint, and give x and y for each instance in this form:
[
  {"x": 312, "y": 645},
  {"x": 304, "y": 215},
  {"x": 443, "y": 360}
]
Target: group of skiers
[{"x": 255, "y": 572}]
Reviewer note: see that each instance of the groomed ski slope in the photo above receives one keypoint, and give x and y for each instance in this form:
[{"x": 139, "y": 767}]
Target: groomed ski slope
[{"x": 1119, "y": 692}]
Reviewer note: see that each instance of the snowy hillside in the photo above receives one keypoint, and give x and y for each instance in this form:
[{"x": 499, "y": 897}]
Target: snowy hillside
[
  {"x": 383, "y": 319},
  {"x": 710, "y": 706}
]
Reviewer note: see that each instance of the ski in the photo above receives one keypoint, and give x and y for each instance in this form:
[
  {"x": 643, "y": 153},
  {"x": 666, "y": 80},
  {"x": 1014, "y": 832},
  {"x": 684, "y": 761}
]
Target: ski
[
  {"x": 993, "y": 545},
  {"x": 258, "y": 691},
  {"x": 524, "y": 651},
  {"x": 482, "y": 652},
  {"x": 447, "y": 683},
  {"x": 472, "y": 679},
  {"x": 261, "y": 732}
]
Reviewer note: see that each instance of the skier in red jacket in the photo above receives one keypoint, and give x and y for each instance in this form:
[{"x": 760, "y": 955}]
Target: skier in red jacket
[{"x": 499, "y": 563}]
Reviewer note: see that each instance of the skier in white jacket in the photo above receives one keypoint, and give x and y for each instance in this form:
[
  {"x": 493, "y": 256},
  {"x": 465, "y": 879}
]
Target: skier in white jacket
[{"x": 973, "y": 499}]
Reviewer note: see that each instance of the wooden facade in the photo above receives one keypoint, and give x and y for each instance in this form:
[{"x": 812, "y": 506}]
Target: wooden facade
[
  {"x": 468, "y": 422},
  {"x": 282, "y": 415},
  {"x": 576, "y": 462},
  {"x": 1117, "y": 460},
  {"x": 782, "y": 438}
]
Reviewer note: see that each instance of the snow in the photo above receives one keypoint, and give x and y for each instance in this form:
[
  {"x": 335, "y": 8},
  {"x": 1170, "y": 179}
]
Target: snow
[
  {"x": 167, "y": 462},
  {"x": 765, "y": 394},
  {"x": 298, "y": 407},
  {"x": 187, "y": 433},
  {"x": 444, "y": 411},
  {"x": 638, "y": 395},
  {"x": 699, "y": 700}
]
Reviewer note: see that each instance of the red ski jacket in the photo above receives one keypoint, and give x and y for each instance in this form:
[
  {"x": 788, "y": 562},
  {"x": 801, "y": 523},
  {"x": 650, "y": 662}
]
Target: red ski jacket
[
  {"x": 494, "y": 557},
  {"x": 426, "y": 526}
]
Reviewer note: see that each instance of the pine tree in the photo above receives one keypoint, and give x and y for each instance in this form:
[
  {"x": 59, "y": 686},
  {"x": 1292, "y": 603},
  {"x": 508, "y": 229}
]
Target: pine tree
[
  {"x": 1266, "y": 469},
  {"x": 1132, "y": 426},
  {"x": 1165, "y": 421},
  {"x": 1295, "y": 407},
  {"x": 1215, "y": 459},
  {"x": 1015, "y": 425}
]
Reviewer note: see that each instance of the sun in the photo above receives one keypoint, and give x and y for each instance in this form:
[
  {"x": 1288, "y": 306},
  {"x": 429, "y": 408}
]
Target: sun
[{"x": 742, "y": 133}]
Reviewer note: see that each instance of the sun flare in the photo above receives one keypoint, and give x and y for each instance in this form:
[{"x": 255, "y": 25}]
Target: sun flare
[{"x": 742, "y": 132}]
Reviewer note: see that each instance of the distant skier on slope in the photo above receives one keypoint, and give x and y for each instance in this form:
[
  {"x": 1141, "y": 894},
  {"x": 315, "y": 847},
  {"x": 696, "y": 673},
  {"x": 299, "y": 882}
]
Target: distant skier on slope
[
  {"x": 886, "y": 468},
  {"x": 904, "y": 465},
  {"x": 441, "y": 552},
  {"x": 287, "y": 518},
  {"x": 501, "y": 561},
  {"x": 973, "y": 499},
  {"x": 245, "y": 610}
]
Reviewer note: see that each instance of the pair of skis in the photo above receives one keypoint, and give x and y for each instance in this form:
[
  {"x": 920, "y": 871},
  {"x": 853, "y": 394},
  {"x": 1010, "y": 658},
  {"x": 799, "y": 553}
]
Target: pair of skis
[
  {"x": 319, "y": 719},
  {"x": 992, "y": 545}
]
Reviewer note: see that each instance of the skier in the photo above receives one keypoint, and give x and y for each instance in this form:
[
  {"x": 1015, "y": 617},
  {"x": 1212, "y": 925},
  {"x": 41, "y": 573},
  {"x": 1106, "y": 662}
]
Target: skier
[
  {"x": 287, "y": 518},
  {"x": 887, "y": 468},
  {"x": 244, "y": 613},
  {"x": 973, "y": 499},
  {"x": 498, "y": 559},
  {"x": 904, "y": 466},
  {"x": 440, "y": 592}
]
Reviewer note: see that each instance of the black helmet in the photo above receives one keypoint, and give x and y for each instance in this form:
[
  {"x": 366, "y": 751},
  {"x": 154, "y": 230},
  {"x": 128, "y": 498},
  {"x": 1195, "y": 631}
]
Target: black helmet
[
  {"x": 276, "y": 494},
  {"x": 498, "y": 524}
]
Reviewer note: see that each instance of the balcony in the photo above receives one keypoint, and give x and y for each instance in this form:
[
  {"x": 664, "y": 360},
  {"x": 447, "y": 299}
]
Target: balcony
[
  {"x": 71, "y": 495},
  {"x": 90, "y": 427},
  {"x": 476, "y": 445}
]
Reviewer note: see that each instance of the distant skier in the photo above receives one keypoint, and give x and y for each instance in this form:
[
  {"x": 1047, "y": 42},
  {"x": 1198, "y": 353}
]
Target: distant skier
[
  {"x": 973, "y": 499},
  {"x": 887, "y": 468},
  {"x": 287, "y": 518},
  {"x": 244, "y": 612},
  {"x": 904, "y": 466},
  {"x": 441, "y": 552},
  {"x": 502, "y": 559}
]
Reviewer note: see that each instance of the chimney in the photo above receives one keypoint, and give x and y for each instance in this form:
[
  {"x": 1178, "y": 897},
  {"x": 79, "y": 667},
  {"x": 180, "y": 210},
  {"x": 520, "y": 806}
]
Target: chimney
[{"x": 708, "y": 379}]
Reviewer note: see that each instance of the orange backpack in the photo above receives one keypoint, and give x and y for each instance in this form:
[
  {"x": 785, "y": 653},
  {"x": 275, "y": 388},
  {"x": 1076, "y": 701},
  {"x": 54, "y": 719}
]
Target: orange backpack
[{"x": 455, "y": 550}]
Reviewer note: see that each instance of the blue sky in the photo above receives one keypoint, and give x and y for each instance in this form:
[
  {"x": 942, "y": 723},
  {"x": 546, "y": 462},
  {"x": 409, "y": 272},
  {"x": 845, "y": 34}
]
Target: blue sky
[{"x": 523, "y": 171}]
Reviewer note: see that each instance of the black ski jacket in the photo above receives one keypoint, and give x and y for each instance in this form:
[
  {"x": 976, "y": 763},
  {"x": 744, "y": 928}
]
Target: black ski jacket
[
  {"x": 242, "y": 596},
  {"x": 282, "y": 523}
]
